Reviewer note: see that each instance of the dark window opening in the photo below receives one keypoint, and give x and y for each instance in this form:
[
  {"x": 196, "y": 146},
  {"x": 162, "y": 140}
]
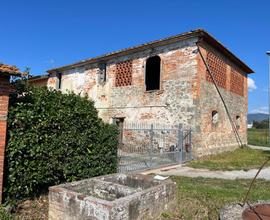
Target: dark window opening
[
  {"x": 214, "y": 117},
  {"x": 102, "y": 73},
  {"x": 152, "y": 73},
  {"x": 59, "y": 80},
  {"x": 238, "y": 122}
]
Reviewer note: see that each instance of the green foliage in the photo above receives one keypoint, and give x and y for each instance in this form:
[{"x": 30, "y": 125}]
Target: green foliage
[
  {"x": 264, "y": 124},
  {"x": 54, "y": 138},
  {"x": 4, "y": 215}
]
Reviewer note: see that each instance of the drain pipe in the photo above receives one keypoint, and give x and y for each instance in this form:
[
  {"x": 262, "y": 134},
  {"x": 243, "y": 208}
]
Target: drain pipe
[{"x": 238, "y": 139}]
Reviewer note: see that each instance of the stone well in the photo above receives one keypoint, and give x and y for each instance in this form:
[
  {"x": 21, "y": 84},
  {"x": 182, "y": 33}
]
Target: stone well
[
  {"x": 116, "y": 196},
  {"x": 235, "y": 211}
]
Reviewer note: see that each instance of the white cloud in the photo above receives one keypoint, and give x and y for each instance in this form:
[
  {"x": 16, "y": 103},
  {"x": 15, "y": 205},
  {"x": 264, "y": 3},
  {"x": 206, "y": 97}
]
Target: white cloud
[
  {"x": 263, "y": 110},
  {"x": 251, "y": 85}
]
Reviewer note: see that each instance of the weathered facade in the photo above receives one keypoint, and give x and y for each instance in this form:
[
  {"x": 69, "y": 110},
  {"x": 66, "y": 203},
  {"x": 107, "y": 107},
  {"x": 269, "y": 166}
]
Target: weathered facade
[{"x": 167, "y": 82}]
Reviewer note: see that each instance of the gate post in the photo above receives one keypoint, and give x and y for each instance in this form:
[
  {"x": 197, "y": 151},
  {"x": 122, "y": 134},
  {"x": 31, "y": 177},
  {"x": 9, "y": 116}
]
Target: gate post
[
  {"x": 5, "y": 89},
  {"x": 190, "y": 141},
  {"x": 180, "y": 142},
  {"x": 151, "y": 144}
]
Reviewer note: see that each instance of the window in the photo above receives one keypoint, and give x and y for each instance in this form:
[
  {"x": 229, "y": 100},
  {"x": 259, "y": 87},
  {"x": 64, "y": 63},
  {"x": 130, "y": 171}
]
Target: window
[
  {"x": 102, "y": 73},
  {"x": 214, "y": 117},
  {"x": 59, "y": 80},
  {"x": 238, "y": 121},
  {"x": 152, "y": 73}
]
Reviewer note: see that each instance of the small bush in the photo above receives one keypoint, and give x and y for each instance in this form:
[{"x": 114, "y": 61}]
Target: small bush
[
  {"x": 54, "y": 138},
  {"x": 4, "y": 215}
]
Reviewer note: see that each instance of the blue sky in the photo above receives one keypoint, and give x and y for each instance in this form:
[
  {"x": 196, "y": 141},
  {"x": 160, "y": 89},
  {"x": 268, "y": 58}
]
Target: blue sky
[{"x": 45, "y": 34}]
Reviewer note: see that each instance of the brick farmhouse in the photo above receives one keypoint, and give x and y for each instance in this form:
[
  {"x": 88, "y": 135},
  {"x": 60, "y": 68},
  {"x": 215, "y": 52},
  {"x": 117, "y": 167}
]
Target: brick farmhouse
[{"x": 167, "y": 82}]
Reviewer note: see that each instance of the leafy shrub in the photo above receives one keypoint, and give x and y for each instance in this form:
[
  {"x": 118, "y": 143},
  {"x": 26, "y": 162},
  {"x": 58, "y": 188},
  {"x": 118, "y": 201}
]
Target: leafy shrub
[
  {"x": 4, "y": 215},
  {"x": 54, "y": 138},
  {"x": 264, "y": 124}
]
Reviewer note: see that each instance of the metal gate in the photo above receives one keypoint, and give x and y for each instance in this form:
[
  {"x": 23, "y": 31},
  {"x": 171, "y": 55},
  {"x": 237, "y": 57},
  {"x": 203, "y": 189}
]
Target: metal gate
[{"x": 144, "y": 146}]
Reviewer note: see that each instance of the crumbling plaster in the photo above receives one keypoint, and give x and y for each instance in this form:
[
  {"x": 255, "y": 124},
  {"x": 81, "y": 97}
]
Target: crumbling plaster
[{"x": 185, "y": 97}]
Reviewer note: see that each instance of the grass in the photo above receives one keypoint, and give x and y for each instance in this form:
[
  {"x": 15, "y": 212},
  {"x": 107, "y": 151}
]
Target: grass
[
  {"x": 202, "y": 198},
  {"x": 258, "y": 137},
  {"x": 239, "y": 159}
]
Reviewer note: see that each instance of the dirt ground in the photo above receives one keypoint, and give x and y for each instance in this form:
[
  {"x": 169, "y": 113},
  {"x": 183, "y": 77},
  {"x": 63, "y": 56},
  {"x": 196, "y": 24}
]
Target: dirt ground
[{"x": 36, "y": 209}]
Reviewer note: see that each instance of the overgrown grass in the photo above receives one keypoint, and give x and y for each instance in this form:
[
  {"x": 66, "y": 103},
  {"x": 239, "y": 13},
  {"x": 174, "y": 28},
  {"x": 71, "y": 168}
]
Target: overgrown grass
[
  {"x": 239, "y": 159},
  {"x": 31, "y": 209},
  {"x": 258, "y": 137},
  {"x": 4, "y": 215},
  {"x": 202, "y": 198}
]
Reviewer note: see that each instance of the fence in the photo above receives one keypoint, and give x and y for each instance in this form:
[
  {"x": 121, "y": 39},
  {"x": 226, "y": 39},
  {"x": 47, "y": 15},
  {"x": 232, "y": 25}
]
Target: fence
[{"x": 144, "y": 146}]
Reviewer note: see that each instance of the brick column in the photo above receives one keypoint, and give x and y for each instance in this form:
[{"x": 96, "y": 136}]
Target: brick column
[{"x": 5, "y": 89}]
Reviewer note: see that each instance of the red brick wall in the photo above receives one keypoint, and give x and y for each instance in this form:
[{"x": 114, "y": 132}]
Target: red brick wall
[
  {"x": 218, "y": 68},
  {"x": 225, "y": 73},
  {"x": 232, "y": 82},
  {"x": 123, "y": 73},
  {"x": 237, "y": 82},
  {"x": 39, "y": 83},
  {"x": 4, "y": 99}
]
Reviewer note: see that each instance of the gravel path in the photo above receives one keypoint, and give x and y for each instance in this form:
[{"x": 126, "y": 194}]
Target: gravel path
[
  {"x": 191, "y": 172},
  {"x": 259, "y": 147},
  {"x": 180, "y": 170}
]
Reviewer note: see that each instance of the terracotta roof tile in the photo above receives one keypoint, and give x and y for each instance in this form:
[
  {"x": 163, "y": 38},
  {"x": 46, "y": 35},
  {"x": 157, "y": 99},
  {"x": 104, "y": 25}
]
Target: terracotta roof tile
[{"x": 9, "y": 70}]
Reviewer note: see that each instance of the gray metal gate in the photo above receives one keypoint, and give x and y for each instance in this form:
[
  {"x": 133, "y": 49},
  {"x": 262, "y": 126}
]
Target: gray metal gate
[{"x": 144, "y": 146}]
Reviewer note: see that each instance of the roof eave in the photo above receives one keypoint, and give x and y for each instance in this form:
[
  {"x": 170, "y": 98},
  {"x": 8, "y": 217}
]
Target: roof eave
[
  {"x": 215, "y": 43},
  {"x": 10, "y": 73},
  {"x": 126, "y": 51},
  {"x": 37, "y": 78},
  {"x": 196, "y": 33}
]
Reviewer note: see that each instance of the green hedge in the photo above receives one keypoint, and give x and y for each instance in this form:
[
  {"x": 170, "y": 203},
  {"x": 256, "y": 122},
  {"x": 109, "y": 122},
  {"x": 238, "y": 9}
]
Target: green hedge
[{"x": 54, "y": 138}]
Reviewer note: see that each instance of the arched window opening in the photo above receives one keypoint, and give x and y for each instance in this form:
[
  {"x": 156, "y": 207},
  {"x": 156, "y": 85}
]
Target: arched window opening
[
  {"x": 238, "y": 121},
  {"x": 152, "y": 73},
  {"x": 214, "y": 117}
]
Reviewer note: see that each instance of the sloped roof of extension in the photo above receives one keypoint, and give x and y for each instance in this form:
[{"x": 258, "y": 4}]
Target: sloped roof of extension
[
  {"x": 200, "y": 33},
  {"x": 38, "y": 78},
  {"x": 9, "y": 70}
]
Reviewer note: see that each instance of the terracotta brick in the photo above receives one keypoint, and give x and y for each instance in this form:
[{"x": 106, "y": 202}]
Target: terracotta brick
[
  {"x": 218, "y": 68},
  {"x": 123, "y": 76},
  {"x": 237, "y": 82},
  {"x": 5, "y": 89}
]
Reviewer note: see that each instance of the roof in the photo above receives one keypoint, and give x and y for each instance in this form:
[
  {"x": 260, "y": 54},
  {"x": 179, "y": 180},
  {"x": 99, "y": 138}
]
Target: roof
[
  {"x": 38, "y": 78},
  {"x": 9, "y": 70},
  {"x": 200, "y": 33}
]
